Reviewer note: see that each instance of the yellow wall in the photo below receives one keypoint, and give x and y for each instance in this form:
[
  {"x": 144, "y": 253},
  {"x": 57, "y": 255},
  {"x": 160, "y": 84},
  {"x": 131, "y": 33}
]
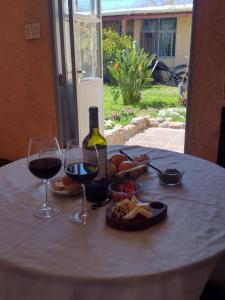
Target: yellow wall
[
  {"x": 183, "y": 37},
  {"x": 27, "y": 99},
  {"x": 137, "y": 30},
  {"x": 182, "y": 48},
  {"x": 183, "y": 34}
]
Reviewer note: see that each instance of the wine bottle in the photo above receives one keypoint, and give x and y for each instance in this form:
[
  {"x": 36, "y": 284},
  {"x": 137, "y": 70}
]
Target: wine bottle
[{"x": 96, "y": 191}]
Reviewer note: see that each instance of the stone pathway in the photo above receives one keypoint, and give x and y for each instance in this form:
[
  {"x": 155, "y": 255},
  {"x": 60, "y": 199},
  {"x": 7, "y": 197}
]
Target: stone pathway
[{"x": 164, "y": 138}]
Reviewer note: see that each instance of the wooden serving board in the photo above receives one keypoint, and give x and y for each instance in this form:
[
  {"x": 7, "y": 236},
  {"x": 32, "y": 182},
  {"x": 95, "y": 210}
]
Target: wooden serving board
[{"x": 158, "y": 209}]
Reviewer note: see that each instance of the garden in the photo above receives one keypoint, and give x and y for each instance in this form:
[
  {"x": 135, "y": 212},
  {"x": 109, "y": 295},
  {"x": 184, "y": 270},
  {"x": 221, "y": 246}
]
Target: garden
[{"x": 129, "y": 89}]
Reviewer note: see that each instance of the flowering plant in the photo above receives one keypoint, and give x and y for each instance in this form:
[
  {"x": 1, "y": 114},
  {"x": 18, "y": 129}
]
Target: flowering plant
[{"x": 130, "y": 72}]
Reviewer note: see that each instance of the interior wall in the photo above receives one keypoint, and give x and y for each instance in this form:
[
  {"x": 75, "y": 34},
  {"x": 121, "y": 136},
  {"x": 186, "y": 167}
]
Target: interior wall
[
  {"x": 27, "y": 99},
  {"x": 207, "y": 79}
]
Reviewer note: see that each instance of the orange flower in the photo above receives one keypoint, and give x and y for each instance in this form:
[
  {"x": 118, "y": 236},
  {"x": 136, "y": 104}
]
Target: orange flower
[{"x": 116, "y": 66}]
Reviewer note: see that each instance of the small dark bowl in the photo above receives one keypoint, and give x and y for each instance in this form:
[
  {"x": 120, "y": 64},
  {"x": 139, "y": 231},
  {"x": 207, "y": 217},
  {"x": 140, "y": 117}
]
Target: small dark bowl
[{"x": 171, "y": 177}]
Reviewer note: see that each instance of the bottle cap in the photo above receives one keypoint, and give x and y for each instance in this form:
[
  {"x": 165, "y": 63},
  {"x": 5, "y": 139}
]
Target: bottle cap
[{"x": 93, "y": 109}]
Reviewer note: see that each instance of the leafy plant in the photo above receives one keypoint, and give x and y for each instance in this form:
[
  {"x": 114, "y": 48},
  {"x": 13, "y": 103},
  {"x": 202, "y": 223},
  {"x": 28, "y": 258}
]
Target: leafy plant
[
  {"x": 127, "y": 112},
  {"x": 113, "y": 43},
  {"x": 123, "y": 118},
  {"x": 131, "y": 73},
  {"x": 109, "y": 124},
  {"x": 115, "y": 93},
  {"x": 177, "y": 114},
  {"x": 115, "y": 116}
]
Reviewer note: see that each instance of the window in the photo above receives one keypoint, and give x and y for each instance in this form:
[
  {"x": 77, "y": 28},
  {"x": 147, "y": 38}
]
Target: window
[
  {"x": 114, "y": 25},
  {"x": 159, "y": 36},
  {"x": 130, "y": 28}
]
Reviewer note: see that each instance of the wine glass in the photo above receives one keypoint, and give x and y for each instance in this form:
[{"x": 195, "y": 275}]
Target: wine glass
[
  {"x": 82, "y": 167},
  {"x": 44, "y": 162}
]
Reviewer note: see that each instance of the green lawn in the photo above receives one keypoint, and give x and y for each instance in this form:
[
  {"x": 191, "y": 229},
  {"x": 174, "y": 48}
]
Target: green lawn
[
  {"x": 154, "y": 98},
  {"x": 160, "y": 96}
]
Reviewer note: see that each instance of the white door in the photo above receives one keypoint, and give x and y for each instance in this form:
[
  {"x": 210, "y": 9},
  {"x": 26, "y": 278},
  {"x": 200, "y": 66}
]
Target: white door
[
  {"x": 77, "y": 30},
  {"x": 88, "y": 61}
]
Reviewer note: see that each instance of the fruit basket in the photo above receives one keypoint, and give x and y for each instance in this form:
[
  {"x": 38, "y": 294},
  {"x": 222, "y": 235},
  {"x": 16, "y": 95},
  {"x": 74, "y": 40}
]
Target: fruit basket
[{"x": 120, "y": 169}]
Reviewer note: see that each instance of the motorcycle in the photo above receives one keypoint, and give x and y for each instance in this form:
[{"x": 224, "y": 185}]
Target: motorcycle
[{"x": 163, "y": 74}]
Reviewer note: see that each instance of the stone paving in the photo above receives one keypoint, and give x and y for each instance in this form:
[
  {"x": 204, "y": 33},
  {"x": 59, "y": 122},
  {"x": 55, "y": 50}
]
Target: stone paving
[{"x": 164, "y": 138}]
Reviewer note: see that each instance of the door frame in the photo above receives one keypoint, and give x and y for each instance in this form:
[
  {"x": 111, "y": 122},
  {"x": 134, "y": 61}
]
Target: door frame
[{"x": 69, "y": 93}]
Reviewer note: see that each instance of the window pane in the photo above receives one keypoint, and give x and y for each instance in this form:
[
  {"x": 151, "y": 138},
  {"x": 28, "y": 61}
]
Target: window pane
[
  {"x": 150, "y": 25},
  {"x": 165, "y": 44},
  {"x": 130, "y": 27},
  {"x": 87, "y": 49},
  {"x": 168, "y": 24},
  {"x": 149, "y": 42},
  {"x": 86, "y": 7},
  {"x": 174, "y": 39},
  {"x": 158, "y": 36},
  {"x": 114, "y": 25}
]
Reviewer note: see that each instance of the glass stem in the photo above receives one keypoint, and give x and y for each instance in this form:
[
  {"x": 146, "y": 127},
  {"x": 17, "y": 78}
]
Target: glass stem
[
  {"x": 84, "y": 204},
  {"x": 46, "y": 204}
]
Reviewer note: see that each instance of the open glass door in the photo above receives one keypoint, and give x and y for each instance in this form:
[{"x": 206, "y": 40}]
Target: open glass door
[{"x": 79, "y": 64}]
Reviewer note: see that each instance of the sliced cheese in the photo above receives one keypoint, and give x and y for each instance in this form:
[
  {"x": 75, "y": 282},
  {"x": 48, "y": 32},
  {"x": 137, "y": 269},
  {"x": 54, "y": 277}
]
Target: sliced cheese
[
  {"x": 145, "y": 212},
  {"x": 132, "y": 214},
  {"x": 142, "y": 204},
  {"x": 132, "y": 203},
  {"x": 123, "y": 202}
]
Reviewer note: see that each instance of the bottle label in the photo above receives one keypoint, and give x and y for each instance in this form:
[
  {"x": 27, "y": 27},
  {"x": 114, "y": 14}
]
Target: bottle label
[{"x": 90, "y": 155}]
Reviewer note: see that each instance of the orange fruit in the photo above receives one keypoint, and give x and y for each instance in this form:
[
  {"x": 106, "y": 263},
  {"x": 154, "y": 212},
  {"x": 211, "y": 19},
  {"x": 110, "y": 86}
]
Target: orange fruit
[
  {"x": 67, "y": 180},
  {"x": 117, "y": 159},
  {"x": 126, "y": 165}
]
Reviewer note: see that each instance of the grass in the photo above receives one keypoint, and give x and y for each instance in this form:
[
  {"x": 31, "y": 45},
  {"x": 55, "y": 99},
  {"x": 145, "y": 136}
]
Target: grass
[
  {"x": 153, "y": 99},
  {"x": 160, "y": 96}
]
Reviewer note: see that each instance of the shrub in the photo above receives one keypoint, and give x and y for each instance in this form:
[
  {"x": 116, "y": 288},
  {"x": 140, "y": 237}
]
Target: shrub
[
  {"x": 177, "y": 114},
  {"x": 131, "y": 73},
  {"x": 123, "y": 118},
  {"x": 113, "y": 44}
]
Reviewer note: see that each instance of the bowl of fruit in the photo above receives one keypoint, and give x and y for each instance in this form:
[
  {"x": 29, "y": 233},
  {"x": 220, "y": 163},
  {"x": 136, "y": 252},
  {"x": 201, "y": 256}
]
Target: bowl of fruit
[
  {"x": 119, "y": 192},
  {"x": 120, "y": 168}
]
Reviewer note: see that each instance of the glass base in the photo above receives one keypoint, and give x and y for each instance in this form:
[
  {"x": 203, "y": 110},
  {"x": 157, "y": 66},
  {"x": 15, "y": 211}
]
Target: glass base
[
  {"x": 78, "y": 217},
  {"x": 46, "y": 212}
]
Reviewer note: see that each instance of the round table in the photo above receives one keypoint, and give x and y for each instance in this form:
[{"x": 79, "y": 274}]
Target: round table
[{"x": 56, "y": 259}]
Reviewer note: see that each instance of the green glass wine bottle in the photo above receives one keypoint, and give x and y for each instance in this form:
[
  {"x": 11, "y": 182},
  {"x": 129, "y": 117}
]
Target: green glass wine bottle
[{"x": 96, "y": 191}]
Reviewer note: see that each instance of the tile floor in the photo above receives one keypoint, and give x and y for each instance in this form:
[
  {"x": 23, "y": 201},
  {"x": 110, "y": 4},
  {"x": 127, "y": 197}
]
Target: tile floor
[{"x": 164, "y": 138}]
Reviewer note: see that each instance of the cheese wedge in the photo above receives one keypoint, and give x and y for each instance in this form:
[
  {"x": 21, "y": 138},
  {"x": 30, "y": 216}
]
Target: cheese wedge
[
  {"x": 132, "y": 203},
  {"x": 132, "y": 214},
  {"x": 122, "y": 202},
  {"x": 142, "y": 204},
  {"x": 145, "y": 212}
]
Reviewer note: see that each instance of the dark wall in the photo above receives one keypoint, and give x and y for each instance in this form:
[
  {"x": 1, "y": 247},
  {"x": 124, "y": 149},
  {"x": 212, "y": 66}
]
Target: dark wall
[{"x": 207, "y": 80}]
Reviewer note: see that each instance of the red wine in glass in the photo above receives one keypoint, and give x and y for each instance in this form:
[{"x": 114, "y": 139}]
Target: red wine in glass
[
  {"x": 82, "y": 172},
  {"x": 80, "y": 169},
  {"x": 45, "y": 168},
  {"x": 44, "y": 162}
]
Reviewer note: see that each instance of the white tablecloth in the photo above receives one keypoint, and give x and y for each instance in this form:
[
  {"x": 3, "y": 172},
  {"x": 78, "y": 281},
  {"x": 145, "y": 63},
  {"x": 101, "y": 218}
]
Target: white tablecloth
[{"x": 58, "y": 260}]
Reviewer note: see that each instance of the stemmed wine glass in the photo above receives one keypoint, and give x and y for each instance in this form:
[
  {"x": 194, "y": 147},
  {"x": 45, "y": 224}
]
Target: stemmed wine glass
[
  {"x": 44, "y": 162},
  {"x": 82, "y": 167}
]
